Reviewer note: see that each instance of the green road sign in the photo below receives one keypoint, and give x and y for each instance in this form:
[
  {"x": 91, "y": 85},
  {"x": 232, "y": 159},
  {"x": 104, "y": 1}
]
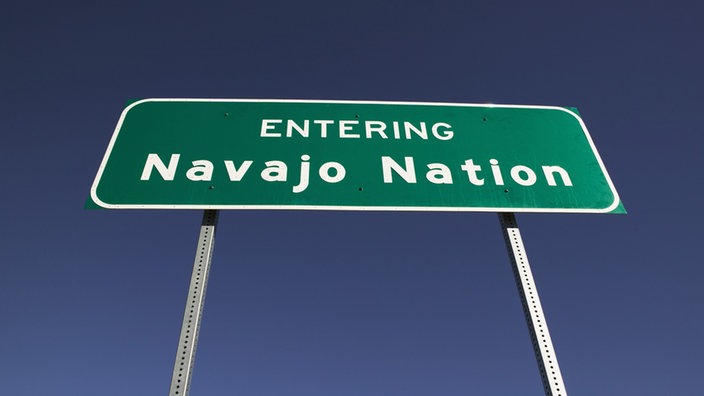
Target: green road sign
[{"x": 343, "y": 155}]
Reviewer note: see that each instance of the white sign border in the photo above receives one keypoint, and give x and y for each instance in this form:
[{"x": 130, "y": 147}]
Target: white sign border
[{"x": 101, "y": 203}]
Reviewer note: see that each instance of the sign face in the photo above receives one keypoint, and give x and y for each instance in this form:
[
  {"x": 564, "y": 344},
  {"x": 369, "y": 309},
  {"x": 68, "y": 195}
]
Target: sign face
[{"x": 343, "y": 155}]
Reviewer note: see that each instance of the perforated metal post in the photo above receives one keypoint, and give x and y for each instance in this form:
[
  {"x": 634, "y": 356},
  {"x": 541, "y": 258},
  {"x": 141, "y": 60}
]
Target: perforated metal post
[
  {"x": 537, "y": 326},
  {"x": 185, "y": 355}
]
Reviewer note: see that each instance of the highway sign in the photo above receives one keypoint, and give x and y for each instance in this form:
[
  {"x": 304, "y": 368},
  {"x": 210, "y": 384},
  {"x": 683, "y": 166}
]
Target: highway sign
[{"x": 352, "y": 155}]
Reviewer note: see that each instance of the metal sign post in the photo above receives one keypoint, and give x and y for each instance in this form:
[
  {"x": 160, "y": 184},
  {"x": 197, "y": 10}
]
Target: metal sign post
[
  {"x": 537, "y": 325},
  {"x": 185, "y": 355}
]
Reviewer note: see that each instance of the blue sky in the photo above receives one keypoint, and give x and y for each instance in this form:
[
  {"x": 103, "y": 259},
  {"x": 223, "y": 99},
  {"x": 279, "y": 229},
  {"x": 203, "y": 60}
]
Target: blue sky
[{"x": 350, "y": 303}]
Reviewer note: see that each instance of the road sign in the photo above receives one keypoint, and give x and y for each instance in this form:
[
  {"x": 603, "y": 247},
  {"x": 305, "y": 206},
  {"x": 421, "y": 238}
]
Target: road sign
[{"x": 345, "y": 155}]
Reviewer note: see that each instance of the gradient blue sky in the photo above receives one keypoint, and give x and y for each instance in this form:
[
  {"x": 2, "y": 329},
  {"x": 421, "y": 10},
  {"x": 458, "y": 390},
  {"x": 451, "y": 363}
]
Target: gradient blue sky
[{"x": 352, "y": 303}]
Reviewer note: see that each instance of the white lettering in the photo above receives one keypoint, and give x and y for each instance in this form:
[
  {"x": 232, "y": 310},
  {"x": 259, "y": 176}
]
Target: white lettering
[
  {"x": 472, "y": 170},
  {"x": 550, "y": 171},
  {"x": 397, "y": 132},
  {"x": 275, "y": 171},
  {"x": 234, "y": 173},
  {"x": 530, "y": 178},
  {"x": 305, "y": 172},
  {"x": 439, "y": 174},
  {"x": 496, "y": 171},
  {"x": 323, "y": 126},
  {"x": 346, "y": 125},
  {"x": 444, "y": 135},
  {"x": 346, "y": 129},
  {"x": 266, "y": 127},
  {"x": 422, "y": 132},
  {"x": 408, "y": 173},
  {"x": 375, "y": 127},
  {"x": 202, "y": 170},
  {"x": 324, "y": 172},
  {"x": 166, "y": 173},
  {"x": 291, "y": 125}
]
